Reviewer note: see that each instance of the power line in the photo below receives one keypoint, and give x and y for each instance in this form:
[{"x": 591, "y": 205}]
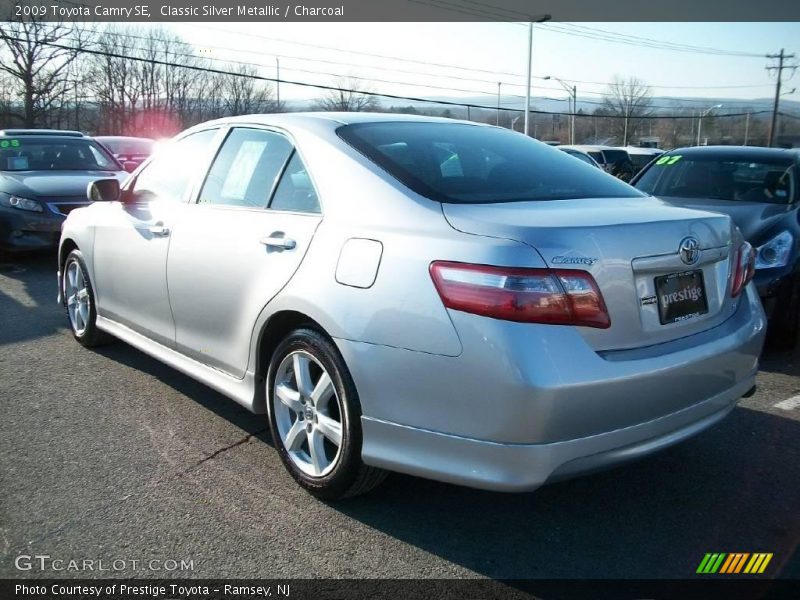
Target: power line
[
  {"x": 356, "y": 77},
  {"x": 624, "y": 38},
  {"x": 430, "y": 64},
  {"x": 154, "y": 61},
  {"x": 490, "y": 12}
]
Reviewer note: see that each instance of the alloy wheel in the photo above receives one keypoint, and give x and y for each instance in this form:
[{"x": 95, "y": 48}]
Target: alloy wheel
[
  {"x": 308, "y": 413},
  {"x": 78, "y": 299}
]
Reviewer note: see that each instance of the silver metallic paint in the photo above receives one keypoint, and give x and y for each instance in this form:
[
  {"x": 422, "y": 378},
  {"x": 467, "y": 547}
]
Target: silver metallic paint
[{"x": 445, "y": 394}]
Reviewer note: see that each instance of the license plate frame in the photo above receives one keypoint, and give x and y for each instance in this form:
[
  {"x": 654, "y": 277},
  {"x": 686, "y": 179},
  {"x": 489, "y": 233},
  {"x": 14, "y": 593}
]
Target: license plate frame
[{"x": 679, "y": 310}]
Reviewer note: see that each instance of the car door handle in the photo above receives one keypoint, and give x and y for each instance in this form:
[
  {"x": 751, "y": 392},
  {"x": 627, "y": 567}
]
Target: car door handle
[
  {"x": 159, "y": 229},
  {"x": 279, "y": 240}
]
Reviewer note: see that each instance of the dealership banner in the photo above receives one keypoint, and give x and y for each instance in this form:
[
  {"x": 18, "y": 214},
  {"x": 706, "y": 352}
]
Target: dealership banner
[
  {"x": 399, "y": 10},
  {"x": 394, "y": 589}
]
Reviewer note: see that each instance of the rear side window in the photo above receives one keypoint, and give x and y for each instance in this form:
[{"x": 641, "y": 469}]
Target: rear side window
[
  {"x": 295, "y": 192},
  {"x": 462, "y": 163},
  {"x": 246, "y": 168}
]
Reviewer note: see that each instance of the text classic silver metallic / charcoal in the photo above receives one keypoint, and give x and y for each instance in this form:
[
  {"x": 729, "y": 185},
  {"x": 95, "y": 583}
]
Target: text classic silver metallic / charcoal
[{"x": 446, "y": 299}]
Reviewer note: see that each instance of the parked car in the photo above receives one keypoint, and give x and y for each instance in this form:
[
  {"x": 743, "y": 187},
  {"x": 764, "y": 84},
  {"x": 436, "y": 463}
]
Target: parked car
[
  {"x": 129, "y": 151},
  {"x": 580, "y": 156},
  {"x": 613, "y": 160},
  {"x": 441, "y": 298},
  {"x": 758, "y": 188},
  {"x": 43, "y": 176},
  {"x": 641, "y": 157}
]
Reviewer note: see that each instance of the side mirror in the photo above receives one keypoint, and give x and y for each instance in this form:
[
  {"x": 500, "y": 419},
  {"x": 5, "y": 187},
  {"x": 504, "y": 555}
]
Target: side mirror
[
  {"x": 130, "y": 166},
  {"x": 103, "y": 190}
]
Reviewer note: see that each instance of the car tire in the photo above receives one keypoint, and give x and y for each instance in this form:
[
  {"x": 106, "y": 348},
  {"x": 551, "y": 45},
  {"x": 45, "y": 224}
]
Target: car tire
[
  {"x": 312, "y": 404},
  {"x": 79, "y": 302},
  {"x": 784, "y": 329}
]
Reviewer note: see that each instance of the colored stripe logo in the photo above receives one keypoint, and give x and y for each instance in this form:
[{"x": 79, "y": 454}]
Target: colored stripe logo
[{"x": 734, "y": 563}]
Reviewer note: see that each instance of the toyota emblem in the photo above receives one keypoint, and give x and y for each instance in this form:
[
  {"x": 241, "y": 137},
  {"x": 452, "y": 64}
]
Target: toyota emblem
[{"x": 689, "y": 250}]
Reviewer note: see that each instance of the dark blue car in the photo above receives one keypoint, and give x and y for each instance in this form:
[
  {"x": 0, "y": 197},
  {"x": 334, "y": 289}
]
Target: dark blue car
[
  {"x": 758, "y": 188},
  {"x": 43, "y": 176}
]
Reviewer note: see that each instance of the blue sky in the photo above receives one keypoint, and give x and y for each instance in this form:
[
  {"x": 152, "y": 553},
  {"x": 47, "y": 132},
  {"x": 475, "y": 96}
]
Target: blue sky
[{"x": 490, "y": 52}]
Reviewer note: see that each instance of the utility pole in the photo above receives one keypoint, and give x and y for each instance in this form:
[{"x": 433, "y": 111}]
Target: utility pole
[
  {"x": 278, "y": 80},
  {"x": 625, "y": 134},
  {"x": 781, "y": 57},
  {"x": 746, "y": 128}
]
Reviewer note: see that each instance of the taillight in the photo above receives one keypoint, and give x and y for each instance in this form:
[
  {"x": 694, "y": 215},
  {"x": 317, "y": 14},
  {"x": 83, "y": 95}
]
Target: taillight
[
  {"x": 552, "y": 296},
  {"x": 744, "y": 268}
]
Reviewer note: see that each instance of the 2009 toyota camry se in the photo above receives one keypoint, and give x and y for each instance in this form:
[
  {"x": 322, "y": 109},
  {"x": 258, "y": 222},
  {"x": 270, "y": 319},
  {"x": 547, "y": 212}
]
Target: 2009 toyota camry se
[{"x": 446, "y": 299}]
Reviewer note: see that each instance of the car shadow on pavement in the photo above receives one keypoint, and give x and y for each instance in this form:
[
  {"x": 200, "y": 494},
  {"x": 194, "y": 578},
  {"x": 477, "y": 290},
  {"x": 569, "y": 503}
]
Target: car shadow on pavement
[
  {"x": 203, "y": 395},
  {"x": 734, "y": 488},
  {"x": 28, "y": 297},
  {"x": 786, "y": 362}
]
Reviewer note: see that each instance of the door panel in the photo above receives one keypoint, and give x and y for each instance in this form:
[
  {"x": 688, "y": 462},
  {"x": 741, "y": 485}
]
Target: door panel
[
  {"x": 221, "y": 276},
  {"x": 132, "y": 238},
  {"x": 130, "y": 264},
  {"x": 230, "y": 254}
]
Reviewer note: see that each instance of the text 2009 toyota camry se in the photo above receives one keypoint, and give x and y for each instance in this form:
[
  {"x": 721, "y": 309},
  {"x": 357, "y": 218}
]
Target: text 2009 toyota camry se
[{"x": 446, "y": 299}]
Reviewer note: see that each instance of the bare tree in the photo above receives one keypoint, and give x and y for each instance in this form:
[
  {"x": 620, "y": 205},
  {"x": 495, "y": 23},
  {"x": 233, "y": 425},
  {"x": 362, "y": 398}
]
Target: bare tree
[
  {"x": 631, "y": 101},
  {"x": 352, "y": 96},
  {"x": 39, "y": 56},
  {"x": 244, "y": 94}
]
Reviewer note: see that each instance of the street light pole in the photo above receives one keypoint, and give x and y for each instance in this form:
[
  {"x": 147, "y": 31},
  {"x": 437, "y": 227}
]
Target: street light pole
[
  {"x": 574, "y": 111},
  {"x": 541, "y": 19},
  {"x": 572, "y": 90},
  {"x": 700, "y": 120},
  {"x": 528, "y": 79}
]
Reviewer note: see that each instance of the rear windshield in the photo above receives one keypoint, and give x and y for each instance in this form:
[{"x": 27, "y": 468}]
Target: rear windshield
[
  {"x": 463, "y": 164},
  {"x": 129, "y": 147},
  {"x": 54, "y": 154},
  {"x": 616, "y": 156},
  {"x": 720, "y": 178}
]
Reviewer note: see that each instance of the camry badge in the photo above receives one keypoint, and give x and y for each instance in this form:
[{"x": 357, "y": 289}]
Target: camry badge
[{"x": 689, "y": 250}]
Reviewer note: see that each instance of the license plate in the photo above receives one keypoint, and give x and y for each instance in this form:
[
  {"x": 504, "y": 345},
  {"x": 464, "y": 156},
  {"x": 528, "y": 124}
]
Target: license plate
[{"x": 681, "y": 296}]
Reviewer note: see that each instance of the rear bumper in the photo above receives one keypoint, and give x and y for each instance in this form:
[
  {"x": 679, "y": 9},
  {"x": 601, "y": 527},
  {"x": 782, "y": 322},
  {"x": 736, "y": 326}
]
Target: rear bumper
[
  {"x": 525, "y": 467},
  {"x": 523, "y": 404}
]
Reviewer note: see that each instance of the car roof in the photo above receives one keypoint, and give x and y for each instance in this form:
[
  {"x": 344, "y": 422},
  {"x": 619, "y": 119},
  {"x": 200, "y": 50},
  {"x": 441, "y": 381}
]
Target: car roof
[
  {"x": 592, "y": 147},
  {"x": 643, "y": 150},
  {"x": 41, "y": 132},
  {"x": 123, "y": 138},
  {"x": 739, "y": 152},
  {"x": 331, "y": 119}
]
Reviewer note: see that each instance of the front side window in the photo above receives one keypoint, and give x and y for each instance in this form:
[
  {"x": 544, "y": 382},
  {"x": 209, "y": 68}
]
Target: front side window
[
  {"x": 168, "y": 175},
  {"x": 246, "y": 168},
  {"x": 720, "y": 178},
  {"x": 461, "y": 163}
]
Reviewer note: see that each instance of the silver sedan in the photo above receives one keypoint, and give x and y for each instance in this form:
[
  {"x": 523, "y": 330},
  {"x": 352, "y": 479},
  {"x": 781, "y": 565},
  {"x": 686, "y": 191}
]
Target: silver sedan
[{"x": 440, "y": 298}]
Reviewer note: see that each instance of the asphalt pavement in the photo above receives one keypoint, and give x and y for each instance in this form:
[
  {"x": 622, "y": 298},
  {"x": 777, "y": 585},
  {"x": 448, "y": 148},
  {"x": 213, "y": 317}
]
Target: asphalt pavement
[{"x": 108, "y": 455}]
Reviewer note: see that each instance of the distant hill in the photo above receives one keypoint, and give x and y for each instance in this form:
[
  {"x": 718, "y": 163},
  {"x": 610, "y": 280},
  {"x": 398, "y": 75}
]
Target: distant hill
[{"x": 665, "y": 104}]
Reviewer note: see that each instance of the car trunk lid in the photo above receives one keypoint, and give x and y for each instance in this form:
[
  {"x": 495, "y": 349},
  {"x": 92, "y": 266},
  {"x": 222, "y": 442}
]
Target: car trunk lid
[{"x": 631, "y": 248}]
